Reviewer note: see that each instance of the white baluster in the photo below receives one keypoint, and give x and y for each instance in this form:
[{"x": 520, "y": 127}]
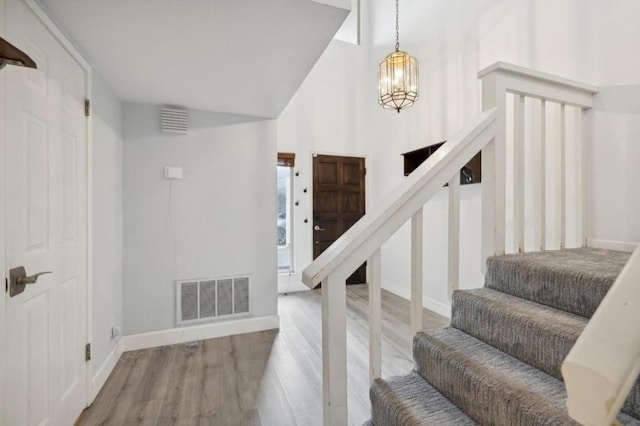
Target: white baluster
[
  {"x": 453, "y": 276},
  {"x": 375, "y": 307},
  {"x": 563, "y": 177},
  {"x": 582, "y": 179},
  {"x": 518, "y": 173},
  {"x": 542, "y": 213},
  {"x": 416, "y": 271},
  {"x": 488, "y": 204},
  {"x": 536, "y": 167}
]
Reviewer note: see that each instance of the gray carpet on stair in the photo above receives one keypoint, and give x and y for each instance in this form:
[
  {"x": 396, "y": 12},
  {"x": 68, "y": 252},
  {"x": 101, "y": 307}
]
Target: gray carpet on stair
[
  {"x": 410, "y": 401},
  {"x": 499, "y": 361},
  {"x": 574, "y": 280},
  {"x": 489, "y": 385},
  {"x": 632, "y": 404},
  {"x": 539, "y": 335},
  {"x": 536, "y": 334}
]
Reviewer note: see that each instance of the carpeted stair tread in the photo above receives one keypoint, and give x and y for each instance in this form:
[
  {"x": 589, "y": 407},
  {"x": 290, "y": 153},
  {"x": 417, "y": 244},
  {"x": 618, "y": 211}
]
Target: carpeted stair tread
[
  {"x": 632, "y": 403},
  {"x": 499, "y": 361},
  {"x": 489, "y": 385},
  {"x": 536, "y": 334},
  {"x": 410, "y": 401},
  {"x": 573, "y": 280}
]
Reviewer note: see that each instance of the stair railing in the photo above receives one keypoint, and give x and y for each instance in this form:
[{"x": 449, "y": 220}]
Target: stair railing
[
  {"x": 604, "y": 363},
  {"x": 550, "y": 99},
  {"x": 486, "y": 133}
]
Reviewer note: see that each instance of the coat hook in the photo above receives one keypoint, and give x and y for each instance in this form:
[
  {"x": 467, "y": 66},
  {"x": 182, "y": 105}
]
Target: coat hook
[
  {"x": 9, "y": 54},
  {"x": 306, "y": 220},
  {"x": 297, "y": 172},
  {"x": 297, "y": 203},
  {"x": 304, "y": 190}
]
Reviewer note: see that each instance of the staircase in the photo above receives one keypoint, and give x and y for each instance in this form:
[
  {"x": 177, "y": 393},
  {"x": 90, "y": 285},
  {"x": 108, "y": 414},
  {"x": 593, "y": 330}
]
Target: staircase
[{"x": 499, "y": 361}]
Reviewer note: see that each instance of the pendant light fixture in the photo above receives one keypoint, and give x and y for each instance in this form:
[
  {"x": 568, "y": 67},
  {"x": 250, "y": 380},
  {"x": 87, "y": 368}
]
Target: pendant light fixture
[{"x": 398, "y": 77}]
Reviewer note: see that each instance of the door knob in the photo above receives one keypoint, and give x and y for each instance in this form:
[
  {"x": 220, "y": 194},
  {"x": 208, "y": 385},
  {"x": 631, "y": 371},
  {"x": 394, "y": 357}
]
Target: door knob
[
  {"x": 317, "y": 228},
  {"x": 18, "y": 280}
]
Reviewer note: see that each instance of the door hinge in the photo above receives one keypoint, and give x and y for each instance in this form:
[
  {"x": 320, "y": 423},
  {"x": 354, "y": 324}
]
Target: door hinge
[
  {"x": 87, "y": 107},
  {"x": 6, "y": 285},
  {"x": 365, "y": 171},
  {"x": 87, "y": 352}
]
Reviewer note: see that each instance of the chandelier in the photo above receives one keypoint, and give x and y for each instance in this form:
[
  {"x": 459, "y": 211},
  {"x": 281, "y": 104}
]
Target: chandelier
[{"x": 398, "y": 77}]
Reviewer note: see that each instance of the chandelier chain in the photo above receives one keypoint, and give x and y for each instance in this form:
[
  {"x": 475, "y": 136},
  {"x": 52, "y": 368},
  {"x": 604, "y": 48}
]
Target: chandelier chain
[{"x": 397, "y": 27}]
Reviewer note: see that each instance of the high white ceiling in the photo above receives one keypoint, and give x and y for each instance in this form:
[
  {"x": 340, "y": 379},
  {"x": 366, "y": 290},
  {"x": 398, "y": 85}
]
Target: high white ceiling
[{"x": 235, "y": 56}]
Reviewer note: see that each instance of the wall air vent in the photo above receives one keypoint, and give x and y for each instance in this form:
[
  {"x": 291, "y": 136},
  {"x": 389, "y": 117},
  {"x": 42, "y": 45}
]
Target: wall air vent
[
  {"x": 175, "y": 121},
  {"x": 210, "y": 298}
]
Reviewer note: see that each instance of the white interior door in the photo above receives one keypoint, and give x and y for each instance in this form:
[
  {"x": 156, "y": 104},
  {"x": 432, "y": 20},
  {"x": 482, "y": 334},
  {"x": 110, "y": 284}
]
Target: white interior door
[{"x": 46, "y": 228}]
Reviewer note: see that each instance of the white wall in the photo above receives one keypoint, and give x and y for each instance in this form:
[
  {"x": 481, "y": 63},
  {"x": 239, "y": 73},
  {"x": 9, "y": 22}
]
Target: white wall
[
  {"x": 614, "y": 155},
  {"x": 107, "y": 219},
  {"x": 591, "y": 41},
  {"x": 217, "y": 221},
  {"x": 5, "y": 296},
  {"x": 321, "y": 118},
  {"x": 587, "y": 40}
]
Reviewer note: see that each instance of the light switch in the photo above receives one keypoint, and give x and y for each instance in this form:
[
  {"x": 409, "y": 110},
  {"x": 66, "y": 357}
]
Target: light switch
[{"x": 173, "y": 172}]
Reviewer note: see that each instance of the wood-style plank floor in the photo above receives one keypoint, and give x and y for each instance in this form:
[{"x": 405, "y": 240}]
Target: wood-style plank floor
[{"x": 265, "y": 378}]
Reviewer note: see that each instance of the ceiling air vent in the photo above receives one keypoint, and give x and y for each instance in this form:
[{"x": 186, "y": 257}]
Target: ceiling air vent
[{"x": 175, "y": 121}]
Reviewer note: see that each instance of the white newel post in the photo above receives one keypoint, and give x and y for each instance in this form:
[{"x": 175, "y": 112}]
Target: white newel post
[
  {"x": 334, "y": 350},
  {"x": 375, "y": 307},
  {"x": 416, "y": 271},
  {"x": 493, "y": 170}
]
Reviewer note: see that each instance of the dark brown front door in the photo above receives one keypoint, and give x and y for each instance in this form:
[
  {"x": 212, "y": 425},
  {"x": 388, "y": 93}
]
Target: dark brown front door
[{"x": 338, "y": 202}]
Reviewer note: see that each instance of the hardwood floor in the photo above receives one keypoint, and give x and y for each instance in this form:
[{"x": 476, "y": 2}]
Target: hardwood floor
[{"x": 265, "y": 378}]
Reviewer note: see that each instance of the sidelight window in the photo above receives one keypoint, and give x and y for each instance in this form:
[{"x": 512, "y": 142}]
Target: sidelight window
[{"x": 285, "y": 212}]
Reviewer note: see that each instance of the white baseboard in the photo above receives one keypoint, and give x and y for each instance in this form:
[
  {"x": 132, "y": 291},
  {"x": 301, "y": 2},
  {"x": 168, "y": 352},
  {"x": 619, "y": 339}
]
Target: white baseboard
[
  {"x": 292, "y": 287},
  {"x": 102, "y": 374},
  {"x": 436, "y": 306},
  {"x": 288, "y": 283},
  {"x": 174, "y": 336},
  {"x": 612, "y": 245}
]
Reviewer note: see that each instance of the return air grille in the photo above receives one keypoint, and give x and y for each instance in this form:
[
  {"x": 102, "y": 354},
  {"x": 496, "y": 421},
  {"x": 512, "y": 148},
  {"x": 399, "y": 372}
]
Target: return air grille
[
  {"x": 211, "y": 298},
  {"x": 175, "y": 121}
]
